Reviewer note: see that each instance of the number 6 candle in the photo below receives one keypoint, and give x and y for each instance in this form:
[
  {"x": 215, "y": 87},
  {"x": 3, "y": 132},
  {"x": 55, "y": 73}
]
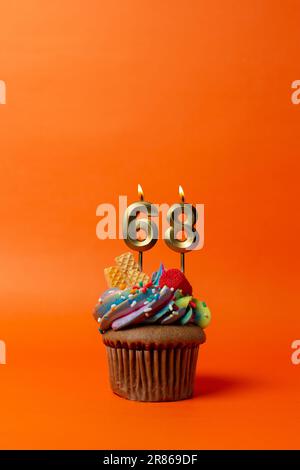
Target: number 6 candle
[
  {"x": 132, "y": 225},
  {"x": 175, "y": 217}
]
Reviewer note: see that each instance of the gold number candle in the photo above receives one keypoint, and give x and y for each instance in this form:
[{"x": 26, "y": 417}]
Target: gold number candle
[
  {"x": 132, "y": 225},
  {"x": 182, "y": 217}
]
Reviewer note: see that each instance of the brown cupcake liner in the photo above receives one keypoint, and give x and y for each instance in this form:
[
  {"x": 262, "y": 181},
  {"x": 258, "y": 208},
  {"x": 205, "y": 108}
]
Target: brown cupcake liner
[{"x": 153, "y": 375}]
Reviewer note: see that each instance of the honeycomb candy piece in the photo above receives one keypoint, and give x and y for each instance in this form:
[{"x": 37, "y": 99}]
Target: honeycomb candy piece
[{"x": 115, "y": 277}]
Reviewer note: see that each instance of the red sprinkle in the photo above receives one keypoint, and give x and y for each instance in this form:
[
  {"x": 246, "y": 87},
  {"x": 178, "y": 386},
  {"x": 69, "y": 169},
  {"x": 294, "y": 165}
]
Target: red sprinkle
[
  {"x": 192, "y": 304},
  {"x": 149, "y": 284}
]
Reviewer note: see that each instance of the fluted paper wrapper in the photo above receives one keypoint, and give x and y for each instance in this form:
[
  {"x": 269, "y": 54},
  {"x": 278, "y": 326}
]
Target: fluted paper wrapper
[{"x": 153, "y": 375}]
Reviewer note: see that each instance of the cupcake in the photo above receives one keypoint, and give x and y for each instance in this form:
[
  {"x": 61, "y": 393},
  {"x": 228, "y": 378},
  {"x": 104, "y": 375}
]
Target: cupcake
[{"x": 152, "y": 330}]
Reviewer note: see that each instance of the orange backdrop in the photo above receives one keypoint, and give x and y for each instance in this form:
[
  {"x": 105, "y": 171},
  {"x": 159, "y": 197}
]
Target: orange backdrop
[{"x": 101, "y": 96}]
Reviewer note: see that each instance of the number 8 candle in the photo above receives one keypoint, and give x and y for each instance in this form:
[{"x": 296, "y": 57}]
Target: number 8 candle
[
  {"x": 132, "y": 225},
  {"x": 175, "y": 217}
]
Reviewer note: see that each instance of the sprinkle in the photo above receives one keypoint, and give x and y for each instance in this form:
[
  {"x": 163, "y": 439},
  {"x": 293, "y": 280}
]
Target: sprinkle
[
  {"x": 113, "y": 307},
  {"x": 149, "y": 284},
  {"x": 110, "y": 291},
  {"x": 141, "y": 283},
  {"x": 172, "y": 289},
  {"x": 148, "y": 309},
  {"x": 99, "y": 320},
  {"x": 100, "y": 300},
  {"x": 135, "y": 287},
  {"x": 192, "y": 304},
  {"x": 153, "y": 291},
  {"x": 123, "y": 297},
  {"x": 144, "y": 290},
  {"x": 133, "y": 303},
  {"x": 146, "y": 302},
  {"x": 133, "y": 291},
  {"x": 147, "y": 314},
  {"x": 171, "y": 307},
  {"x": 130, "y": 296}
]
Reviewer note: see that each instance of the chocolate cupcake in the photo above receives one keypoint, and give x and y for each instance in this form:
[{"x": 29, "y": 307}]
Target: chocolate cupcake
[{"x": 152, "y": 332}]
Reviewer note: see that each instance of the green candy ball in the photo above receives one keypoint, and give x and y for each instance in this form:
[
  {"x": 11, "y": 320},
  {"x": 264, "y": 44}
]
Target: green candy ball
[{"x": 202, "y": 314}]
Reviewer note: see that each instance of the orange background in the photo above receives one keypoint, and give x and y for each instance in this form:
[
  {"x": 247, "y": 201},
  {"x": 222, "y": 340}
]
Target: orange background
[{"x": 101, "y": 96}]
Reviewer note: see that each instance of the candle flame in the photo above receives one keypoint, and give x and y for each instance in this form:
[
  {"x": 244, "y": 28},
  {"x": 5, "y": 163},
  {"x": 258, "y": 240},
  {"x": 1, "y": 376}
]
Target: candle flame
[
  {"x": 140, "y": 192},
  {"x": 181, "y": 193}
]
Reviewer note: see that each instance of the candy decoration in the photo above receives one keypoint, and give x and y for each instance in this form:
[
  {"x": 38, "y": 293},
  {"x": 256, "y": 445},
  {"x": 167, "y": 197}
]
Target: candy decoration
[
  {"x": 176, "y": 279},
  {"x": 202, "y": 314},
  {"x": 115, "y": 277}
]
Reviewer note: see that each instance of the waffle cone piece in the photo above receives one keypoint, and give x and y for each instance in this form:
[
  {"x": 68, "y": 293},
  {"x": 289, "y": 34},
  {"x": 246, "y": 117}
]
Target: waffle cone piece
[
  {"x": 134, "y": 277},
  {"x": 130, "y": 268},
  {"x": 126, "y": 262},
  {"x": 115, "y": 277}
]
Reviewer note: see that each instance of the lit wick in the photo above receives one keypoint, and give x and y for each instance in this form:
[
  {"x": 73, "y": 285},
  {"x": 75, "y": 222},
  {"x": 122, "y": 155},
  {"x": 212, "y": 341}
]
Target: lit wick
[
  {"x": 140, "y": 192},
  {"x": 181, "y": 193}
]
